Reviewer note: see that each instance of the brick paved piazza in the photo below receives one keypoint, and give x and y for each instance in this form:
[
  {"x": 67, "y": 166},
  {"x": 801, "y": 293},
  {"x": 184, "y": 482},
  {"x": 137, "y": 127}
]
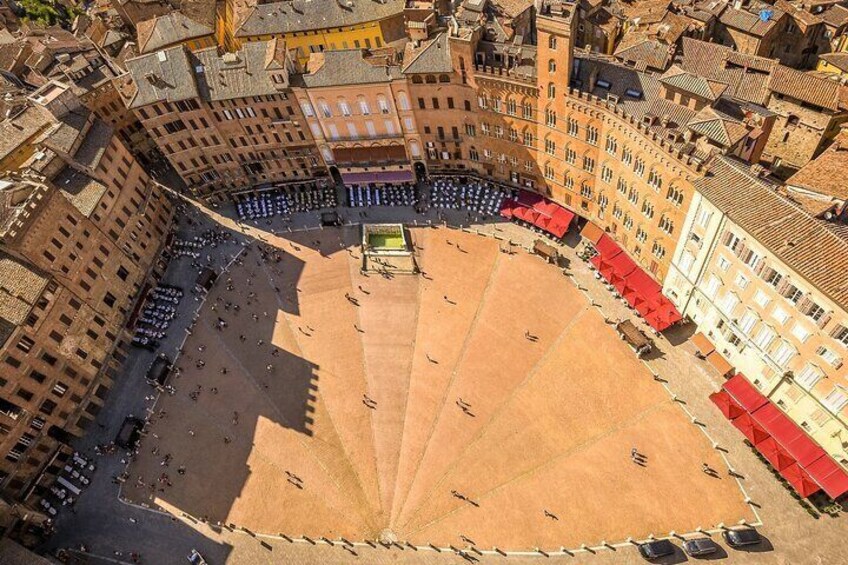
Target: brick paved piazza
[{"x": 549, "y": 424}]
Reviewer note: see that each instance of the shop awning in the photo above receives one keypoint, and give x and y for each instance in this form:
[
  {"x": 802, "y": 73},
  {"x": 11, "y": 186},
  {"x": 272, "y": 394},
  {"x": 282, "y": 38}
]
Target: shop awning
[
  {"x": 622, "y": 265},
  {"x": 537, "y": 210},
  {"x": 750, "y": 428},
  {"x": 800, "y": 480},
  {"x": 829, "y": 476},
  {"x": 729, "y": 407},
  {"x": 720, "y": 363},
  {"x": 745, "y": 393},
  {"x": 607, "y": 248},
  {"x": 378, "y": 177},
  {"x": 702, "y": 342},
  {"x": 591, "y": 233},
  {"x": 788, "y": 434},
  {"x": 664, "y": 315},
  {"x": 771, "y": 449}
]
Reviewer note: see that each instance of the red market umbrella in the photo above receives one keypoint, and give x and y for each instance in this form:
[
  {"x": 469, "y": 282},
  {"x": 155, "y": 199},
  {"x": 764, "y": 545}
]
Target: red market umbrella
[
  {"x": 800, "y": 480},
  {"x": 775, "y": 454},
  {"x": 729, "y": 407},
  {"x": 750, "y": 429}
]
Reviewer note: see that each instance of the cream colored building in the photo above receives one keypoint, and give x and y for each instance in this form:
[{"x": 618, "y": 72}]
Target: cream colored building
[
  {"x": 359, "y": 112},
  {"x": 765, "y": 282}
]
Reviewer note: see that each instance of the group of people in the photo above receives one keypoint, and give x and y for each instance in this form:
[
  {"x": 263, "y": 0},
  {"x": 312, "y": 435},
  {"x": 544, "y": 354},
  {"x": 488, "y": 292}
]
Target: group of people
[
  {"x": 383, "y": 195},
  {"x": 285, "y": 201},
  {"x": 482, "y": 198}
]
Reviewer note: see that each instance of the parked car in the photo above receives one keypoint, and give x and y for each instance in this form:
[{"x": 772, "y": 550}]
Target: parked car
[
  {"x": 656, "y": 549},
  {"x": 129, "y": 433},
  {"x": 740, "y": 537},
  {"x": 699, "y": 546},
  {"x": 195, "y": 558}
]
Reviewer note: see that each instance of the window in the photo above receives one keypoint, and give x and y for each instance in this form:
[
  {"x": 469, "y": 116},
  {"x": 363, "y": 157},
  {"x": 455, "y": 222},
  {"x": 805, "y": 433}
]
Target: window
[
  {"x": 510, "y": 107},
  {"x": 551, "y": 90},
  {"x": 791, "y": 293},
  {"x": 606, "y": 174},
  {"x": 639, "y": 166},
  {"x": 658, "y": 250},
  {"x": 572, "y": 127},
  {"x": 550, "y": 118},
  {"x": 728, "y": 303},
  {"x": 550, "y": 147},
  {"x": 809, "y": 376},
  {"x": 611, "y": 145},
  {"x": 588, "y": 164},
  {"x": 654, "y": 180},
  {"x": 552, "y": 43},
  {"x": 592, "y": 135},
  {"x": 836, "y": 400},
  {"x": 704, "y": 217},
  {"x": 764, "y": 337},
  {"x": 783, "y": 354},
  {"x": 675, "y": 196},
  {"x": 840, "y": 334},
  {"x": 780, "y": 315},
  {"x": 666, "y": 225},
  {"x": 723, "y": 263},
  {"x": 527, "y": 111},
  {"x": 801, "y": 333},
  {"x": 25, "y": 344},
  {"x": 570, "y": 156},
  {"x": 747, "y": 321},
  {"x": 832, "y": 358},
  {"x": 741, "y": 281},
  {"x": 585, "y": 190},
  {"x": 383, "y": 104},
  {"x": 551, "y": 66},
  {"x": 641, "y": 235},
  {"x": 344, "y": 107},
  {"x": 364, "y": 108},
  {"x": 647, "y": 208},
  {"x": 109, "y": 300},
  {"x": 762, "y": 299}
]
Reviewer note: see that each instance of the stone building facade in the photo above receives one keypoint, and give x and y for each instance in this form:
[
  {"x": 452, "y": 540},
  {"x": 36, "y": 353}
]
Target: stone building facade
[
  {"x": 226, "y": 122},
  {"x": 81, "y": 236},
  {"x": 769, "y": 300}
]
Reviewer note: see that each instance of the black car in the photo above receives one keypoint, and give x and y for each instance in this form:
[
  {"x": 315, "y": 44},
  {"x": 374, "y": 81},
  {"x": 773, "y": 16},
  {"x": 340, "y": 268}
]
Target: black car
[
  {"x": 129, "y": 433},
  {"x": 741, "y": 537},
  {"x": 656, "y": 549},
  {"x": 699, "y": 546}
]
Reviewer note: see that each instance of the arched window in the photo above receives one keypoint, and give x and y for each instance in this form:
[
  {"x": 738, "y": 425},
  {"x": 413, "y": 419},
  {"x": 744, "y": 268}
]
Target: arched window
[
  {"x": 552, "y": 40},
  {"x": 383, "y": 104},
  {"x": 364, "y": 108},
  {"x": 551, "y": 90},
  {"x": 417, "y": 80},
  {"x": 414, "y": 149},
  {"x": 430, "y": 79},
  {"x": 403, "y": 101},
  {"x": 344, "y": 107},
  {"x": 444, "y": 78},
  {"x": 551, "y": 66}
]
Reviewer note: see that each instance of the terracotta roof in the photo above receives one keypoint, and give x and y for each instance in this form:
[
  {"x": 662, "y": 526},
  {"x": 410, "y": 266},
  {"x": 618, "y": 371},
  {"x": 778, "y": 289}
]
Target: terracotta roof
[
  {"x": 807, "y": 245},
  {"x": 838, "y": 60},
  {"x": 308, "y": 15},
  {"x": 748, "y": 22},
  {"x": 164, "y": 31},
  {"x": 20, "y": 287},
  {"x": 746, "y": 75},
  {"x": 81, "y": 190},
  {"x": 826, "y": 173},
  {"x": 433, "y": 57},
  {"x": 161, "y": 76},
  {"x": 718, "y": 127},
  {"x": 18, "y": 129},
  {"x": 348, "y": 67},
  {"x": 639, "y": 49},
  {"x": 808, "y": 88},
  {"x": 681, "y": 79},
  {"x": 835, "y": 16},
  {"x": 511, "y": 8}
]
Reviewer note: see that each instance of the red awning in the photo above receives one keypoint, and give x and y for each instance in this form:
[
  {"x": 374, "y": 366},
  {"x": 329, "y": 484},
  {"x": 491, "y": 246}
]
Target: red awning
[
  {"x": 607, "y": 248},
  {"x": 787, "y": 432},
  {"x": 507, "y": 208},
  {"x": 729, "y": 407},
  {"x": 776, "y": 455},
  {"x": 745, "y": 393},
  {"x": 664, "y": 315},
  {"x": 529, "y": 199},
  {"x": 829, "y": 476},
  {"x": 623, "y": 265},
  {"x": 800, "y": 480},
  {"x": 749, "y": 428}
]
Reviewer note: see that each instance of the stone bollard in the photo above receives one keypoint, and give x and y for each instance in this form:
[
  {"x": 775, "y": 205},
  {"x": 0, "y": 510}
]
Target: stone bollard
[
  {"x": 308, "y": 540},
  {"x": 370, "y": 543},
  {"x": 327, "y": 541},
  {"x": 434, "y": 548},
  {"x": 499, "y": 551},
  {"x": 412, "y": 547},
  {"x": 541, "y": 552},
  {"x": 287, "y": 538}
]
